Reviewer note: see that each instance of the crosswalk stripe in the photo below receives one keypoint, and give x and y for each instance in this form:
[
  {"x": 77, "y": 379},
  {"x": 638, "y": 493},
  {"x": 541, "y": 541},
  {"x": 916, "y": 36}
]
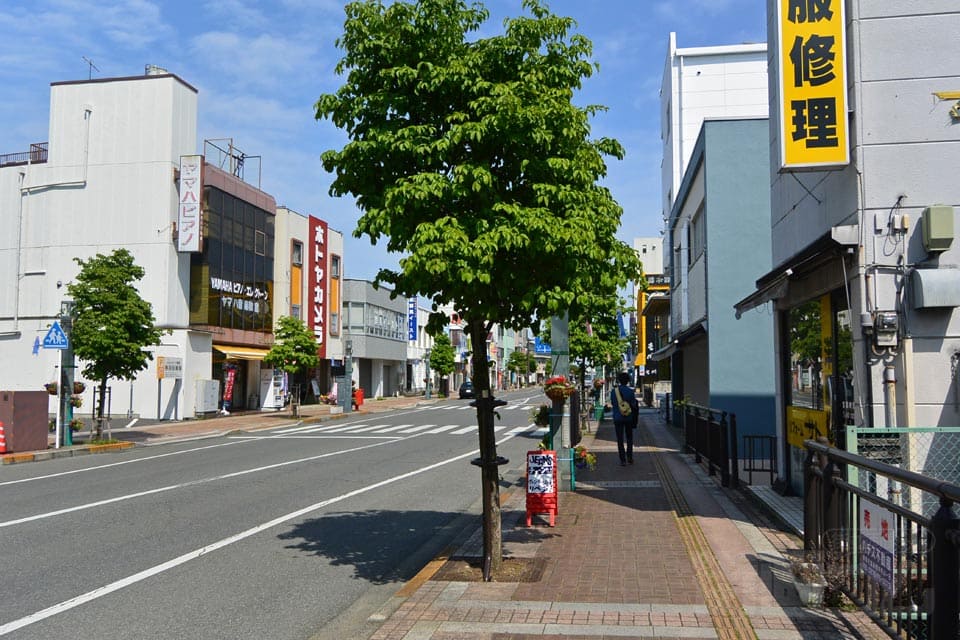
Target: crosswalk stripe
[
  {"x": 464, "y": 430},
  {"x": 417, "y": 428},
  {"x": 311, "y": 427},
  {"x": 364, "y": 428},
  {"x": 393, "y": 428},
  {"x": 445, "y": 427}
]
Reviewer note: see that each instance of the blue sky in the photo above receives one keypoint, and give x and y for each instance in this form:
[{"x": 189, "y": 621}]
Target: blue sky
[{"x": 260, "y": 66}]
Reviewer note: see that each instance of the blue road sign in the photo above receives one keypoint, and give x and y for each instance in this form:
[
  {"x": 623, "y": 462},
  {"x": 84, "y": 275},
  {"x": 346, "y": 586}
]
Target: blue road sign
[{"x": 55, "y": 338}]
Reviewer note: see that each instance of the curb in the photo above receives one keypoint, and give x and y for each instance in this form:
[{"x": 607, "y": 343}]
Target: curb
[{"x": 66, "y": 452}]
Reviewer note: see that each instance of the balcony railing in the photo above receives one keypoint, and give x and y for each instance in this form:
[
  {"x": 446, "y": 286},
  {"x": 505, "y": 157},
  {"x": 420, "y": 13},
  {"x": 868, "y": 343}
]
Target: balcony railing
[{"x": 36, "y": 155}]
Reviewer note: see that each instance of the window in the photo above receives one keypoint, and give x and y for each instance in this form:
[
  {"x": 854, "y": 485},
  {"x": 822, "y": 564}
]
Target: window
[
  {"x": 334, "y": 324},
  {"x": 295, "y": 311},
  {"x": 698, "y": 235},
  {"x": 334, "y": 266},
  {"x": 296, "y": 254},
  {"x": 260, "y": 243}
]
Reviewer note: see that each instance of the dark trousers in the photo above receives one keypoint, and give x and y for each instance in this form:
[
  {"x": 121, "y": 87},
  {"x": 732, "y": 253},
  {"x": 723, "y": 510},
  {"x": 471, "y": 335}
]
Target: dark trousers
[{"x": 624, "y": 432}]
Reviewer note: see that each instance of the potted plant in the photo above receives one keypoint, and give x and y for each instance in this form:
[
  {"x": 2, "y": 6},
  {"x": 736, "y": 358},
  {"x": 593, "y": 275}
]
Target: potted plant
[
  {"x": 76, "y": 424},
  {"x": 79, "y": 387},
  {"x": 809, "y": 582},
  {"x": 583, "y": 459},
  {"x": 76, "y": 401},
  {"x": 51, "y": 388},
  {"x": 557, "y": 387}
]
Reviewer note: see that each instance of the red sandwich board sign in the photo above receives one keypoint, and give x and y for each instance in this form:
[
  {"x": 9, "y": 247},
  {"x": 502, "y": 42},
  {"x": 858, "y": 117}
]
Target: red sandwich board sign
[{"x": 542, "y": 484}]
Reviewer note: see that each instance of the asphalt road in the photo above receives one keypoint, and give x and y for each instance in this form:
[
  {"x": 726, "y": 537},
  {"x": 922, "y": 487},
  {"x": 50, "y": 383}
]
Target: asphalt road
[{"x": 289, "y": 533}]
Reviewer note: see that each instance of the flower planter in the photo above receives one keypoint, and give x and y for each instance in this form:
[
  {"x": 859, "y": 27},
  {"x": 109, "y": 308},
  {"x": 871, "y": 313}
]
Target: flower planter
[
  {"x": 811, "y": 595},
  {"x": 79, "y": 387},
  {"x": 557, "y": 393},
  {"x": 809, "y": 583}
]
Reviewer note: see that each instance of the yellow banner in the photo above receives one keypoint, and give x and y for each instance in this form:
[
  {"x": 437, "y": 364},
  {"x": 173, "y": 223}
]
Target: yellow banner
[
  {"x": 805, "y": 424},
  {"x": 813, "y": 85}
]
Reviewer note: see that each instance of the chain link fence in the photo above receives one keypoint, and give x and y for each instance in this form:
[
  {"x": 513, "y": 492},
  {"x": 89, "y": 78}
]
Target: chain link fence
[{"x": 929, "y": 451}]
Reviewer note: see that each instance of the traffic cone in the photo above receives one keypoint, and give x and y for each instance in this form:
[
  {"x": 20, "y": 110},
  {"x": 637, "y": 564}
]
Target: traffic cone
[{"x": 3, "y": 439}]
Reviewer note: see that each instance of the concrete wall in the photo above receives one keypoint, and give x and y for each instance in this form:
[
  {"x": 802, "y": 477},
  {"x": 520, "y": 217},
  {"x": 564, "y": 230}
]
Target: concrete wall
[{"x": 738, "y": 239}]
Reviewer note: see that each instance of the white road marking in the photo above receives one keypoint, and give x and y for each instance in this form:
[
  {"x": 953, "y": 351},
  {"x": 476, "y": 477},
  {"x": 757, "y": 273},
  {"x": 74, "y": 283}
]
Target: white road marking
[
  {"x": 172, "y": 487},
  {"x": 445, "y": 427},
  {"x": 89, "y": 596},
  {"x": 417, "y": 428},
  {"x": 117, "y": 464}
]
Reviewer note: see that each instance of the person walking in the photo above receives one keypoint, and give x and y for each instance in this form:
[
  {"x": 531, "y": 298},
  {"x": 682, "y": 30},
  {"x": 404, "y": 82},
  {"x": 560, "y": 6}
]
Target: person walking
[{"x": 625, "y": 408}]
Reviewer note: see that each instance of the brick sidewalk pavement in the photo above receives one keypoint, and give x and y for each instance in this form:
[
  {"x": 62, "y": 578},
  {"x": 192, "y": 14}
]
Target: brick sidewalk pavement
[{"x": 623, "y": 562}]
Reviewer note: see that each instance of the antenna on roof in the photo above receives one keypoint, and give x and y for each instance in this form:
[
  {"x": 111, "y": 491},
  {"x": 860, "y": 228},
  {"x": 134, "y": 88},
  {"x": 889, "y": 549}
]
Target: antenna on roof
[{"x": 91, "y": 67}]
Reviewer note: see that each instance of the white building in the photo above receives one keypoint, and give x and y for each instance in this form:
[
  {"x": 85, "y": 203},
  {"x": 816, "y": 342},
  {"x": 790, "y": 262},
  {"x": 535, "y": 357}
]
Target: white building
[
  {"x": 705, "y": 82},
  {"x": 108, "y": 181},
  {"x": 116, "y": 172}
]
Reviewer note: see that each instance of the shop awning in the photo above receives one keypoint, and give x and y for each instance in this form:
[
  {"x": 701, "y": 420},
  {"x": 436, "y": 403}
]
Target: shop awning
[
  {"x": 240, "y": 353},
  {"x": 776, "y": 284},
  {"x": 666, "y": 351},
  {"x": 657, "y": 303}
]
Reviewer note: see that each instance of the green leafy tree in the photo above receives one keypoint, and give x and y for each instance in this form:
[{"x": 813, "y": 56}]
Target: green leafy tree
[
  {"x": 522, "y": 363},
  {"x": 295, "y": 347},
  {"x": 442, "y": 356},
  {"x": 113, "y": 325},
  {"x": 470, "y": 156}
]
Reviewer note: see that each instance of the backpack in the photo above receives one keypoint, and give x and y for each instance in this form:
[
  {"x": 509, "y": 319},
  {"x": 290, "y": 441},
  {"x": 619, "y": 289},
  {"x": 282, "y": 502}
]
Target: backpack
[{"x": 623, "y": 405}]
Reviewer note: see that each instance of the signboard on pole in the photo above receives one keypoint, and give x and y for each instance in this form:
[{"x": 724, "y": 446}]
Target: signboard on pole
[
  {"x": 168, "y": 367},
  {"x": 56, "y": 338}
]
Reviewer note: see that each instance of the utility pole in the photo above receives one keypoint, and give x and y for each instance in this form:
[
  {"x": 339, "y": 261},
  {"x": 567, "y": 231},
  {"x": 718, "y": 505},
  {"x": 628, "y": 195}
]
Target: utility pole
[{"x": 67, "y": 367}]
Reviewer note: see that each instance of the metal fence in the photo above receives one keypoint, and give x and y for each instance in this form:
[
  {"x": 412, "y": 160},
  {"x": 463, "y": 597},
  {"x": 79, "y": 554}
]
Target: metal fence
[
  {"x": 712, "y": 434},
  {"x": 929, "y": 451},
  {"x": 901, "y": 566}
]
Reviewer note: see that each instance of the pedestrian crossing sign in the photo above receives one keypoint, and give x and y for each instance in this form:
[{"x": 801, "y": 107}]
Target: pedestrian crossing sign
[{"x": 55, "y": 338}]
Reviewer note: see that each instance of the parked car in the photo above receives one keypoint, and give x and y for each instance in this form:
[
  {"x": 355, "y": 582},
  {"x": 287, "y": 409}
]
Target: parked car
[{"x": 466, "y": 389}]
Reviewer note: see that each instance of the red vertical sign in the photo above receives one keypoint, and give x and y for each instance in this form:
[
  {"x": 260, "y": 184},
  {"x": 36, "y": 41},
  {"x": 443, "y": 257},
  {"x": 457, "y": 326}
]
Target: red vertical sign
[{"x": 317, "y": 284}]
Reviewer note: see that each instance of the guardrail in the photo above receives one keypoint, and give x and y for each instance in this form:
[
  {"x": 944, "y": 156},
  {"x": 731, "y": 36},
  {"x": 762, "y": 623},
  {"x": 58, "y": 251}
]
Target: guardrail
[
  {"x": 36, "y": 155},
  {"x": 712, "y": 434},
  {"x": 900, "y": 566}
]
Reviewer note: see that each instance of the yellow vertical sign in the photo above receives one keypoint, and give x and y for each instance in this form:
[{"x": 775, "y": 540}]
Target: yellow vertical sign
[{"x": 813, "y": 84}]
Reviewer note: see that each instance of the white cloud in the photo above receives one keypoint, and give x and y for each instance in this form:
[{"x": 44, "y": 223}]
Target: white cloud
[
  {"x": 133, "y": 24},
  {"x": 255, "y": 60}
]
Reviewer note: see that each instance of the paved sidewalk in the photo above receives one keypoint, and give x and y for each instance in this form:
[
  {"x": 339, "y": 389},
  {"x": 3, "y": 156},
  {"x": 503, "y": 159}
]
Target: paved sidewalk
[
  {"x": 144, "y": 432},
  {"x": 652, "y": 550}
]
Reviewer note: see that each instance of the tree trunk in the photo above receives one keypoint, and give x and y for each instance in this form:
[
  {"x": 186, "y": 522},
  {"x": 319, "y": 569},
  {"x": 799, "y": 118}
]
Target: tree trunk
[
  {"x": 98, "y": 421},
  {"x": 488, "y": 461}
]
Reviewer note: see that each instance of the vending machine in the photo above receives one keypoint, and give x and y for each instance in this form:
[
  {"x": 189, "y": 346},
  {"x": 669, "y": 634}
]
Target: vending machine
[{"x": 273, "y": 389}]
